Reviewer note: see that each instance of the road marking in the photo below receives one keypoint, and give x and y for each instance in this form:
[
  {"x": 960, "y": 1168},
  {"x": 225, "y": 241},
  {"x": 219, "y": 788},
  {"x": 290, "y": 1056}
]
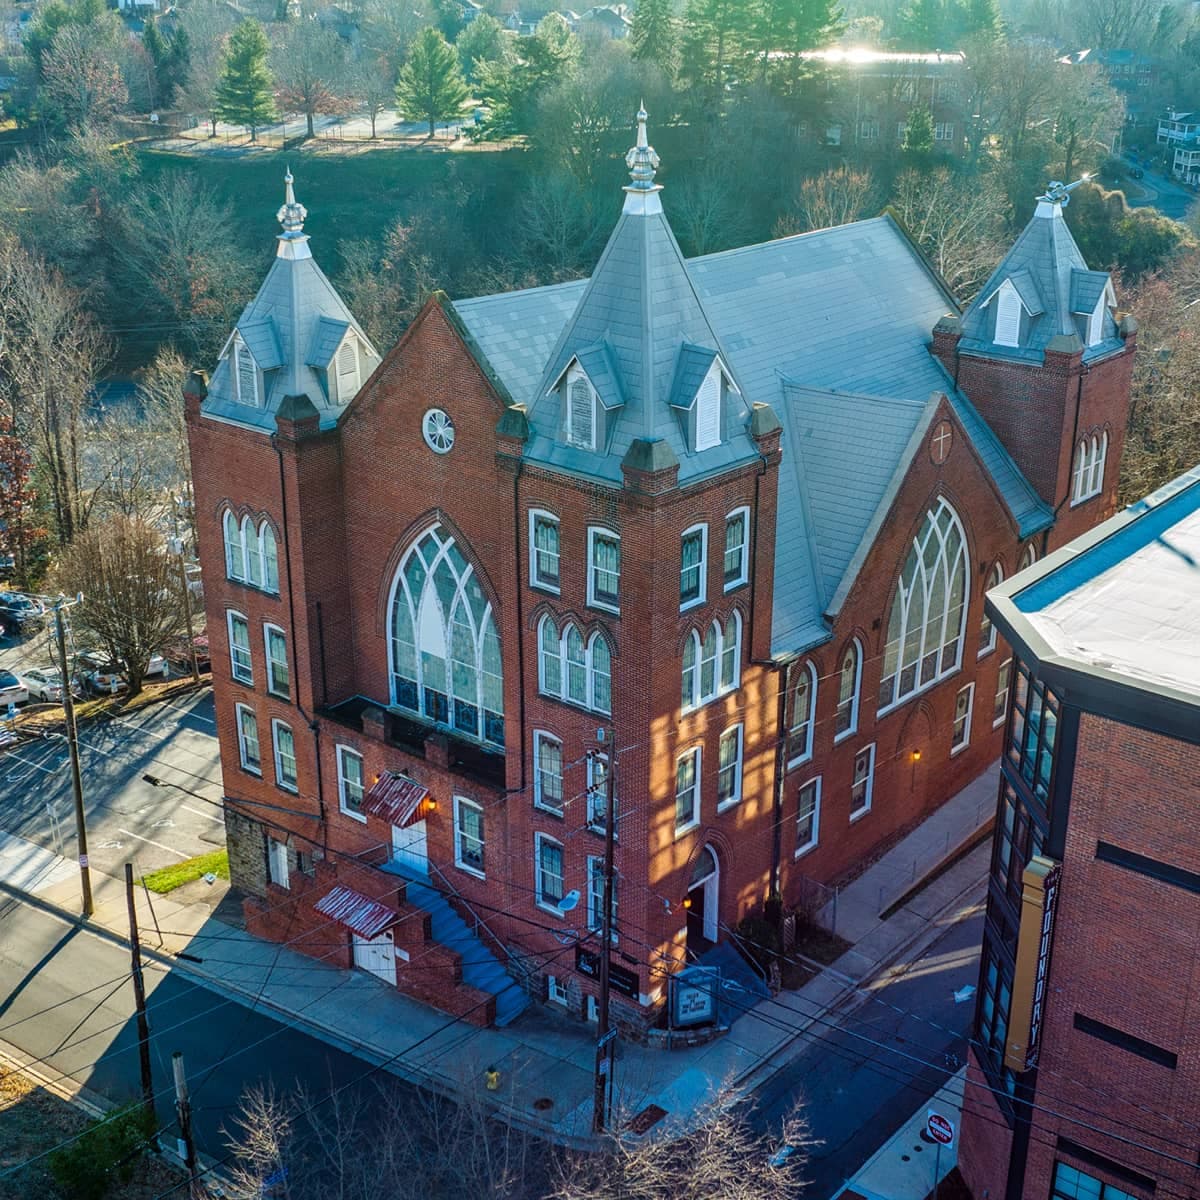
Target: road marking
[
  {"x": 21, "y": 776},
  {"x": 151, "y": 842},
  {"x": 198, "y": 813}
]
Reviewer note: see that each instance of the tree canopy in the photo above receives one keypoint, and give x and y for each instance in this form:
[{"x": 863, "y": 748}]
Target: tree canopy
[
  {"x": 245, "y": 93},
  {"x": 431, "y": 84}
]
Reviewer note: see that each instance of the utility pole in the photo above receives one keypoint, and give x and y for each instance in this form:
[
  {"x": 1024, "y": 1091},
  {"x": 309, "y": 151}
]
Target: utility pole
[
  {"x": 187, "y": 1145},
  {"x": 85, "y": 878},
  {"x": 604, "y": 1035},
  {"x": 177, "y": 547},
  {"x": 139, "y": 994}
]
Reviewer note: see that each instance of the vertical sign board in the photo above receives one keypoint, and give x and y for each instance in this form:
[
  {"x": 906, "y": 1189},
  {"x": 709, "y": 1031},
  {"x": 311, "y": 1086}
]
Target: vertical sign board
[{"x": 1039, "y": 898}]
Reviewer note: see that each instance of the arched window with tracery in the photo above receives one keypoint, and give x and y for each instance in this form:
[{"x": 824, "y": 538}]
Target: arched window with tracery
[
  {"x": 712, "y": 663},
  {"x": 270, "y": 557},
  {"x": 925, "y": 626},
  {"x": 804, "y": 706},
  {"x": 235, "y": 551},
  {"x": 445, "y": 653},
  {"x": 849, "y": 677},
  {"x": 987, "y": 631},
  {"x": 253, "y": 560}
]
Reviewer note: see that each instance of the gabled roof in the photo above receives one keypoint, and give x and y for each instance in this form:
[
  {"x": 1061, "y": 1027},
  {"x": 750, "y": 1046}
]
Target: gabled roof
[
  {"x": 287, "y": 327},
  {"x": 597, "y": 363},
  {"x": 1044, "y": 259},
  {"x": 1086, "y": 289},
  {"x": 691, "y": 370}
]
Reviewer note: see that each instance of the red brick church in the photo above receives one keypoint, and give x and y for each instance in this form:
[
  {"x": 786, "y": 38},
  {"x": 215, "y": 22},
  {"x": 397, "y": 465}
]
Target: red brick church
[{"x": 721, "y": 526}]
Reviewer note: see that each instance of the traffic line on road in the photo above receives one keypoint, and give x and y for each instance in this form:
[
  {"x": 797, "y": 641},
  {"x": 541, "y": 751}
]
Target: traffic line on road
[
  {"x": 188, "y": 808},
  {"x": 151, "y": 842}
]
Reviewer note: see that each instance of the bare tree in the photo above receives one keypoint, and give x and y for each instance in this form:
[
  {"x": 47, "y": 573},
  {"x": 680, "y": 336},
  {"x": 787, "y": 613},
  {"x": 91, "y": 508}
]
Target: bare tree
[
  {"x": 376, "y": 86},
  {"x": 81, "y": 80},
  {"x": 51, "y": 353},
  {"x": 131, "y": 600},
  {"x": 208, "y": 23},
  {"x": 958, "y": 222},
  {"x": 557, "y": 229},
  {"x": 309, "y": 62},
  {"x": 834, "y": 197},
  {"x": 706, "y": 211}
]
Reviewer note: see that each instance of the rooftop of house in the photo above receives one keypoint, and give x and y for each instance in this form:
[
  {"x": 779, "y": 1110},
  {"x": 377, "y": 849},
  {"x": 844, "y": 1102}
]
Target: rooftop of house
[
  {"x": 1119, "y": 604},
  {"x": 862, "y": 56}
]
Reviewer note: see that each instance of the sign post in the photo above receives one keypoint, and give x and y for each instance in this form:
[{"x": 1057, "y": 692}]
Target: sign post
[{"x": 941, "y": 1132}]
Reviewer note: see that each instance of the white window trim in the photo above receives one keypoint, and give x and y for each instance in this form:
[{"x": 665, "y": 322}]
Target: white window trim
[
  {"x": 698, "y": 699},
  {"x": 574, "y": 374},
  {"x": 598, "y": 809},
  {"x": 238, "y": 709},
  {"x": 696, "y": 752},
  {"x": 540, "y": 735},
  {"x": 534, "y": 582},
  {"x": 998, "y": 721},
  {"x": 814, "y": 841},
  {"x": 717, "y": 374},
  {"x": 744, "y": 512},
  {"x": 852, "y": 728},
  {"x": 556, "y": 992},
  {"x": 1008, "y": 306},
  {"x": 595, "y": 531},
  {"x": 240, "y": 348},
  {"x": 1029, "y": 556},
  {"x": 268, "y": 629},
  {"x": 595, "y": 906},
  {"x": 995, "y": 577},
  {"x": 230, "y": 616},
  {"x": 702, "y": 529},
  {"x": 589, "y": 703},
  {"x": 276, "y": 725},
  {"x": 456, "y": 833},
  {"x": 235, "y": 550},
  {"x": 351, "y": 341},
  {"x": 342, "y": 751},
  {"x": 970, "y": 690},
  {"x": 539, "y": 839},
  {"x": 736, "y": 798},
  {"x": 865, "y": 807},
  {"x": 277, "y": 863},
  {"x": 811, "y": 670}
]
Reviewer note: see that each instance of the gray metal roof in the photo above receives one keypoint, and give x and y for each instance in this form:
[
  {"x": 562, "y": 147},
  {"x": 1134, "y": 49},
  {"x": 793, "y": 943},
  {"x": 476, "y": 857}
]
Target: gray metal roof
[
  {"x": 1086, "y": 289},
  {"x": 262, "y": 342},
  {"x": 600, "y": 367},
  {"x": 1046, "y": 254},
  {"x": 691, "y": 369},
  {"x": 831, "y": 328},
  {"x": 327, "y": 337},
  {"x": 1028, "y": 291}
]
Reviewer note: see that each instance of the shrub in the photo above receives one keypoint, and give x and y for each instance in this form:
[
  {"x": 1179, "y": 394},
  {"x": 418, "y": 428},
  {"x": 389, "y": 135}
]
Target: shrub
[{"x": 105, "y": 1155}]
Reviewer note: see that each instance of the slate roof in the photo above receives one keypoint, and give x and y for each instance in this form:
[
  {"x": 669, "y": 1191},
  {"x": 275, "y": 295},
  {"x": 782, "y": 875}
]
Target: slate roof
[
  {"x": 1086, "y": 289},
  {"x": 832, "y": 329},
  {"x": 1046, "y": 254},
  {"x": 601, "y": 368},
  {"x": 691, "y": 369},
  {"x": 327, "y": 337}
]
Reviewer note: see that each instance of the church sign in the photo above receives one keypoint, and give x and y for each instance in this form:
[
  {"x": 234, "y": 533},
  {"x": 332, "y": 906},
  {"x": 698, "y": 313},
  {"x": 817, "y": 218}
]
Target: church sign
[{"x": 1039, "y": 899}]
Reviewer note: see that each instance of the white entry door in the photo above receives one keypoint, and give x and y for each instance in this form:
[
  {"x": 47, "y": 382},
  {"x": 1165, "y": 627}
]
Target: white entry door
[
  {"x": 410, "y": 848},
  {"x": 377, "y": 955}
]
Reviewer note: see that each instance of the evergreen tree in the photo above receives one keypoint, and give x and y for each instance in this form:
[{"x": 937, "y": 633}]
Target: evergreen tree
[
  {"x": 431, "y": 85},
  {"x": 245, "y": 93},
  {"x": 177, "y": 68},
  {"x": 483, "y": 41},
  {"x": 981, "y": 18},
  {"x": 923, "y": 25},
  {"x": 791, "y": 27},
  {"x": 655, "y": 34},
  {"x": 918, "y": 134},
  {"x": 717, "y": 33},
  {"x": 512, "y": 90}
]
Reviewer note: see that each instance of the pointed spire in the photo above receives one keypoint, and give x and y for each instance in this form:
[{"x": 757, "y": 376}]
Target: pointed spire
[
  {"x": 293, "y": 241},
  {"x": 642, "y": 161}
]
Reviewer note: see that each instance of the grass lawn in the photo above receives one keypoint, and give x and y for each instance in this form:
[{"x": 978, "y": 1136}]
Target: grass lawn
[
  {"x": 169, "y": 878},
  {"x": 348, "y": 195}
]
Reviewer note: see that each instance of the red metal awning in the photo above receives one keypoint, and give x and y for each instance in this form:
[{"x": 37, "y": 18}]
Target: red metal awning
[
  {"x": 360, "y": 914},
  {"x": 395, "y": 798}
]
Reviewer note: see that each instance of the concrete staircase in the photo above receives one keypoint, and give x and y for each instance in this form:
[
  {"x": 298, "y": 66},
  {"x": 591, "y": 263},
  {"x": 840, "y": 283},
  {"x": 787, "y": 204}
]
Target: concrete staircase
[{"x": 480, "y": 967}]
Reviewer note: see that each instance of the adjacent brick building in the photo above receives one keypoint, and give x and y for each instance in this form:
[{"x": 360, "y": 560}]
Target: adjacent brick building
[
  {"x": 1084, "y": 1076},
  {"x": 727, "y": 521}
]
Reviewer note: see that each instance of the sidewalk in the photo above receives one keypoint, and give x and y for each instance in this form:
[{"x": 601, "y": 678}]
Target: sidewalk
[{"x": 546, "y": 1062}]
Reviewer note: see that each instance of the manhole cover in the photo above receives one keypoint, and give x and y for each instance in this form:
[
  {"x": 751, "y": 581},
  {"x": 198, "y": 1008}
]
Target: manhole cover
[
  {"x": 650, "y": 1115},
  {"x": 543, "y": 1103}
]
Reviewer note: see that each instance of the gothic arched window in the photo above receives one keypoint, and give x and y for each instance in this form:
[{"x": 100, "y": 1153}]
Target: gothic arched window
[
  {"x": 925, "y": 627},
  {"x": 445, "y": 654},
  {"x": 849, "y": 675}
]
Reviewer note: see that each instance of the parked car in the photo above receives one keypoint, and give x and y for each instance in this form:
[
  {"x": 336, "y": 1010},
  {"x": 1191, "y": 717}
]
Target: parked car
[
  {"x": 43, "y": 683},
  {"x": 20, "y": 613},
  {"x": 179, "y": 657},
  {"x": 99, "y": 675},
  {"x": 158, "y": 665},
  {"x": 1136, "y": 173},
  {"x": 12, "y": 690}
]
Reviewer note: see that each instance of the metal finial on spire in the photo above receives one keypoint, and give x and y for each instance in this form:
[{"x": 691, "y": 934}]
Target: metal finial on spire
[
  {"x": 642, "y": 160},
  {"x": 291, "y": 215},
  {"x": 1060, "y": 193}
]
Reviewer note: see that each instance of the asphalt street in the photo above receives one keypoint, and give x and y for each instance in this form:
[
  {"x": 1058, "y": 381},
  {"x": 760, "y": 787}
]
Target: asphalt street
[
  {"x": 859, "y": 1083},
  {"x": 1155, "y": 190}
]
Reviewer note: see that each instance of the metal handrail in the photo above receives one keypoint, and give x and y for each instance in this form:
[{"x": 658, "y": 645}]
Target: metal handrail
[
  {"x": 739, "y": 944},
  {"x": 479, "y": 921}
]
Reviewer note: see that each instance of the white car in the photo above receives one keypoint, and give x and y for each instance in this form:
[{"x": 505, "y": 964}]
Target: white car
[
  {"x": 12, "y": 690},
  {"x": 158, "y": 665},
  {"x": 43, "y": 683}
]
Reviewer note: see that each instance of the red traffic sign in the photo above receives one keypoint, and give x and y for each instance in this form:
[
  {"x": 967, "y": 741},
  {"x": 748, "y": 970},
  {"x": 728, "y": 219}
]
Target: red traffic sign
[{"x": 939, "y": 1128}]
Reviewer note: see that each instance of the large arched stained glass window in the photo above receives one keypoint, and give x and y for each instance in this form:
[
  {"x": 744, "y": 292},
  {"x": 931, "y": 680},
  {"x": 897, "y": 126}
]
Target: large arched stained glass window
[
  {"x": 925, "y": 627},
  {"x": 445, "y": 655}
]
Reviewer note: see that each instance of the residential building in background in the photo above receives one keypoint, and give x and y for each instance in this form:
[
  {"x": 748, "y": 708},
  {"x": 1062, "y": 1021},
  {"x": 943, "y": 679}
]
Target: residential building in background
[
  {"x": 716, "y": 530},
  {"x": 1180, "y": 133},
  {"x": 1084, "y": 1077}
]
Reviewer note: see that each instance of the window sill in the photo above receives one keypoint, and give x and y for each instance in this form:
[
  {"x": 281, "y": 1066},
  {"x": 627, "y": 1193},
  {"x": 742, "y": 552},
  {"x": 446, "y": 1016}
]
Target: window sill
[
  {"x": 249, "y": 770},
  {"x": 245, "y": 682},
  {"x": 600, "y": 606},
  {"x": 955, "y": 750},
  {"x": 927, "y": 687},
  {"x": 998, "y": 722},
  {"x": 549, "y": 589},
  {"x": 688, "y": 605},
  {"x": 598, "y": 830},
  {"x": 726, "y": 805},
  {"x": 252, "y": 587},
  {"x": 548, "y": 810},
  {"x": 683, "y": 830},
  {"x": 793, "y": 763},
  {"x": 287, "y": 696},
  {"x": 846, "y": 733},
  {"x": 354, "y": 816},
  {"x": 549, "y": 908},
  {"x": 285, "y": 787},
  {"x": 732, "y": 586},
  {"x": 577, "y": 705},
  {"x": 859, "y": 814},
  {"x": 806, "y": 849},
  {"x": 475, "y": 871}
]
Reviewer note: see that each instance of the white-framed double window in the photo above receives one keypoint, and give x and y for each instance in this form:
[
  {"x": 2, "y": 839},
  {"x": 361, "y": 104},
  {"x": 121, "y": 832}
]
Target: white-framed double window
[
  {"x": 808, "y": 816},
  {"x": 544, "y": 551},
  {"x": 241, "y": 664},
  {"x": 604, "y": 569},
  {"x": 1087, "y": 479},
  {"x": 849, "y": 687},
  {"x": 729, "y": 767},
  {"x": 278, "y": 677},
  {"x": 712, "y": 666},
  {"x": 284, "y": 743},
  {"x": 960, "y": 734},
  {"x": 687, "y": 790},
  {"x": 468, "y": 836},
  {"x": 548, "y": 772},
  {"x": 987, "y": 631},
  {"x": 597, "y": 796},
  {"x": 574, "y": 670},
  {"x": 277, "y": 863},
  {"x": 249, "y": 752},
  {"x": 737, "y": 548},
  {"x": 548, "y": 870},
  {"x": 693, "y": 566},
  {"x": 1000, "y": 703},
  {"x": 595, "y": 898},
  {"x": 803, "y": 702},
  {"x": 350, "y": 783},
  {"x": 943, "y": 131},
  {"x": 862, "y": 786}
]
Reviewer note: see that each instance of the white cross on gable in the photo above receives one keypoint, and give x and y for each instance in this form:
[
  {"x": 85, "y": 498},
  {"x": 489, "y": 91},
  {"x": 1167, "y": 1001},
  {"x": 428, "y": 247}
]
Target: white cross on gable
[{"x": 942, "y": 438}]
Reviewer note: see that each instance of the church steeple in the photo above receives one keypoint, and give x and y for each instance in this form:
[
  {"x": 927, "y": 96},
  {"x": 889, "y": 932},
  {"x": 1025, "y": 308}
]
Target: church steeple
[
  {"x": 642, "y": 161},
  {"x": 293, "y": 241}
]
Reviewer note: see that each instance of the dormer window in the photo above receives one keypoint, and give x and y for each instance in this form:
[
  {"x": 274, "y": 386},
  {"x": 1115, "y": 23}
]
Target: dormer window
[
  {"x": 708, "y": 410},
  {"x": 1095, "y": 329},
  {"x": 245, "y": 373},
  {"x": 348, "y": 375},
  {"x": 581, "y": 412},
  {"x": 1008, "y": 316}
]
